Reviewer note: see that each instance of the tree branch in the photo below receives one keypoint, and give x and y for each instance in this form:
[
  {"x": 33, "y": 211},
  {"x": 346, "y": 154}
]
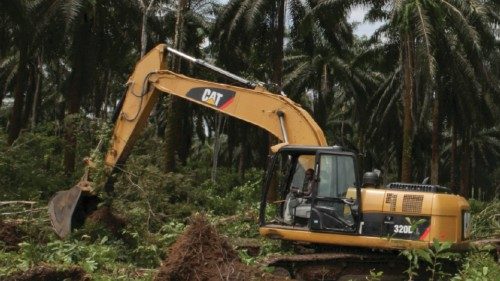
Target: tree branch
[{"x": 2, "y": 203}]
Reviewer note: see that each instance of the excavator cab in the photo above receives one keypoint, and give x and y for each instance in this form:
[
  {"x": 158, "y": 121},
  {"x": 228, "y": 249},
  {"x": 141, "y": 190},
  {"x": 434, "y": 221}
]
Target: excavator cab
[{"x": 331, "y": 205}]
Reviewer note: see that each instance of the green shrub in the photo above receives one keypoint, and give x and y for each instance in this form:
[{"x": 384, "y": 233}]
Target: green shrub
[
  {"x": 31, "y": 168},
  {"x": 478, "y": 266},
  {"x": 433, "y": 259},
  {"x": 485, "y": 219},
  {"x": 91, "y": 256}
]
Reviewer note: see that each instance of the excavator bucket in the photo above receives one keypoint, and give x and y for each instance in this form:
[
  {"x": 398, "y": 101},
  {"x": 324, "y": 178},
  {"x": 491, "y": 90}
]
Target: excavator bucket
[{"x": 66, "y": 207}]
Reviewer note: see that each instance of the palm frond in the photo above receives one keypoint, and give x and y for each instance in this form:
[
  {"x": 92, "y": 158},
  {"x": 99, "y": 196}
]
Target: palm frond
[
  {"x": 424, "y": 29},
  {"x": 299, "y": 73},
  {"x": 462, "y": 26},
  {"x": 255, "y": 11},
  {"x": 238, "y": 17},
  {"x": 71, "y": 9}
]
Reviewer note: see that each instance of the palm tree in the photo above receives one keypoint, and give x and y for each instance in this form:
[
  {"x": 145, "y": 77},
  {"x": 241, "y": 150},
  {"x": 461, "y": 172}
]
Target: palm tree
[
  {"x": 249, "y": 37},
  {"x": 191, "y": 27},
  {"x": 30, "y": 25},
  {"x": 328, "y": 65},
  {"x": 420, "y": 28},
  {"x": 93, "y": 58},
  {"x": 19, "y": 14},
  {"x": 176, "y": 105}
]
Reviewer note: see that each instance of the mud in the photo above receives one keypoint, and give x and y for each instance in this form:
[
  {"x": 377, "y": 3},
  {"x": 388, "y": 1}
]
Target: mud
[
  {"x": 11, "y": 235},
  {"x": 48, "y": 273},
  {"x": 105, "y": 217},
  {"x": 200, "y": 253}
]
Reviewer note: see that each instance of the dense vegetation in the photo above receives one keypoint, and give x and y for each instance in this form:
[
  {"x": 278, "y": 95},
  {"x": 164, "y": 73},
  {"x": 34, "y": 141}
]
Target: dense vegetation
[{"x": 419, "y": 98}]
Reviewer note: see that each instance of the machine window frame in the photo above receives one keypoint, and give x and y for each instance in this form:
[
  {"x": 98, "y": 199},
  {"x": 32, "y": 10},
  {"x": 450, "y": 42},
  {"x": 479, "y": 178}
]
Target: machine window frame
[
  {"x": 354, "y": 204},
  {"x": 317, "y": 169}
]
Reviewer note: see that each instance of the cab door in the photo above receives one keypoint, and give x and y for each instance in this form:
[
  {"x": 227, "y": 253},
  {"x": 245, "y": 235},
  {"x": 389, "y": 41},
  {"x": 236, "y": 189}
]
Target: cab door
[{"x": 335, "y": 199}]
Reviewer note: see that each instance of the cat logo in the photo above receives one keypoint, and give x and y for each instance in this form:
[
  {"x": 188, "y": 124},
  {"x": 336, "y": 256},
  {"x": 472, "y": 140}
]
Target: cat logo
[
  {"x": 216, "y": 97},
  {"x": 211, "y": 97}
]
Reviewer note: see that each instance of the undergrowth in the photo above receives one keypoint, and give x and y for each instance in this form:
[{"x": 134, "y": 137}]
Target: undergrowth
[{"x": 156, "y": 206}]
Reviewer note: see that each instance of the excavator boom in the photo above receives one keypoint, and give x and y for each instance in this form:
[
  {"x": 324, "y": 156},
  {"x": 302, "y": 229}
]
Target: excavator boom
[{"x": 274, "y": 113}]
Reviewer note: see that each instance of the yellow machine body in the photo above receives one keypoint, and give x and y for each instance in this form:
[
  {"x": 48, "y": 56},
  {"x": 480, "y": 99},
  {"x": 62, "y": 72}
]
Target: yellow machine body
[{"x": 448, "y": 215}]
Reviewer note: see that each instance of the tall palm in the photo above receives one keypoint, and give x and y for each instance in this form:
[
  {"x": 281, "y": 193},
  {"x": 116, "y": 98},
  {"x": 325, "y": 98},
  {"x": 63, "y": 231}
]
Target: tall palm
[
  {"x": 176, "y": 105},
  {"x": 248, "y": 37},
  {"x": 19, "y": 14},
  {"x": 95, "y": 60},
  {"x": 419, "y": 28},
  {"x": 30, "y": 28},
  {"x": 191, "y": 28},
  {"x": 336, "y": 76}
]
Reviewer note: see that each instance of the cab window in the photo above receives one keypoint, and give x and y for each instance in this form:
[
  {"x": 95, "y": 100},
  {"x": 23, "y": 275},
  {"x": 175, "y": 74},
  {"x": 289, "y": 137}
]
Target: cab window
[{"x": 336, "y": 175}]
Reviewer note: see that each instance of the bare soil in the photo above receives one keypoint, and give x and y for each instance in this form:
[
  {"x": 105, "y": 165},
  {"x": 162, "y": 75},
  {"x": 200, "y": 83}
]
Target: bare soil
[
  {"x": 48, "y": 273},
  {"x": 105, "y": 217},
  {"x": 200, "y": 253},
  {"x": 11, "y": 235}
]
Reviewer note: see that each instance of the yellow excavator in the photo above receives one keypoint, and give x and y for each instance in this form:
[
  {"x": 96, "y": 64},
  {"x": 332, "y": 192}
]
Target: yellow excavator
[{"x": 340, "y": 207}]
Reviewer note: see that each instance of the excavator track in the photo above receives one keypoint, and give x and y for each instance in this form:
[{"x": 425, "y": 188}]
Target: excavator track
[
  {"x": 349, "y": 263},
  {"x": 340, "y": 266}
]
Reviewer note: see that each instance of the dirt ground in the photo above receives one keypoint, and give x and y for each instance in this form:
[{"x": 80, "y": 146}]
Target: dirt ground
[
  {"x": 105, "y": 216},
  {"x": 10, "y": 235},
  {"x": 200, "y": 253},
  {"x": 48, "y": 273}
]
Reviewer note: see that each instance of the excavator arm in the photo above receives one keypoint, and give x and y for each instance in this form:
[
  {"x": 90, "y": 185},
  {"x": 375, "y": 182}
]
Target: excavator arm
[{"x": 274, "y": 113}]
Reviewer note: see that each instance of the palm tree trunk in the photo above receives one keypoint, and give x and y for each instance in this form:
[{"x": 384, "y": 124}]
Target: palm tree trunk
[
  {"x": 144, "y": 24},
  {"x": 232, "y": 142},
  {"x": 465, "y": 166},
  {"x": 172, "y": 135},
  {"x": 102, "y": 105},
  {"x": 475, "y": 189},
  {"x": 179, "y": 29},
  {"x": 144, "y": 38},
  {"x": 219, "y": 125},
  {"x": 408, "y": 67},
  {"x": 453, "y": 160},
  {"x": 2, "y": 95},
  {"x": 15, "y": 120},
  {"x": 199, "y": 128},
  {"x": 28, "y": 103},
  {"x": 435, "y": 142},
  {"x": 72, "y": 108},
  {"x": 277, "y": 54},
  {"x": 242, "y": 159},
  {"x": 278, "y": 48},
  {"x": 84, "y": 64},
  {"x": 319, "y": 102},
  {"x": 173, "y": 131},
  {"x": 38, "y": 89}
]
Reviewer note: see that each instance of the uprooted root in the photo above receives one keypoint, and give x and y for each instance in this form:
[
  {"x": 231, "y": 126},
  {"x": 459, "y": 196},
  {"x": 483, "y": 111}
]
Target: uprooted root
[{"x": 200, "y": 253}]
